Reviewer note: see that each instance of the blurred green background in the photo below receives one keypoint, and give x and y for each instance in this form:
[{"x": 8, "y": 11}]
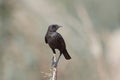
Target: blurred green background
[{"x": 91, "y": 32}]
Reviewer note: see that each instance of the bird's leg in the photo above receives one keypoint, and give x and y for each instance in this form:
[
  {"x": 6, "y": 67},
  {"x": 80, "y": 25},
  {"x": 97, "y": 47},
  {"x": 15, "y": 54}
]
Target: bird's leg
[
  {"x": 57, "y": 60},
  {"x": 53, "y": 59}
]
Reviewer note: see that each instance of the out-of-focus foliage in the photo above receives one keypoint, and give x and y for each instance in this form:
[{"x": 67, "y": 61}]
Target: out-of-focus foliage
[{"x": 91, "y": 32}]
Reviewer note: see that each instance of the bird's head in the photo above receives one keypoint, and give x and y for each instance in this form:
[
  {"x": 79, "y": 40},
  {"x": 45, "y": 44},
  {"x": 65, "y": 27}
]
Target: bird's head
[{"x": 53, "y": 27}]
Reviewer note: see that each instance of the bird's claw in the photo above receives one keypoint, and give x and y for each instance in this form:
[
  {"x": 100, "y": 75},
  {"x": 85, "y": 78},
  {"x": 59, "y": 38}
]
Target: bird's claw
[{"x": 54, "y": 62}]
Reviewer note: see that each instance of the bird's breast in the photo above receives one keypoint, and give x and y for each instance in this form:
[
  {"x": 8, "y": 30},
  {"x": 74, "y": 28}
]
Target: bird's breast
[{"x": 53, "y": 40}]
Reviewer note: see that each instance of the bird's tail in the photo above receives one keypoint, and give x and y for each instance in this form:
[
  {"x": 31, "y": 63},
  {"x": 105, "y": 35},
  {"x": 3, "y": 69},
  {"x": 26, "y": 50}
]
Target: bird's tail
[{"x": 66, "y": 55}]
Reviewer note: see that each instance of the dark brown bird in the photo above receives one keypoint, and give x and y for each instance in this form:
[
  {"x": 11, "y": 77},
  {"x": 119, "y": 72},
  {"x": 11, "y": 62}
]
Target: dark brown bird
[{"x": 55, "y": 41}]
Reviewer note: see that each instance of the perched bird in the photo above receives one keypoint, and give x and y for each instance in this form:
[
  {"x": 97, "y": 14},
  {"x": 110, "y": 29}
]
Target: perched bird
[{"x": 55, "y": 41}]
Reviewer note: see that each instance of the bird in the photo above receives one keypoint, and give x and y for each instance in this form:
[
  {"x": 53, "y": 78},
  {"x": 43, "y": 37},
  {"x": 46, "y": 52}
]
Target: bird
[{"x": 56, "y": 41}]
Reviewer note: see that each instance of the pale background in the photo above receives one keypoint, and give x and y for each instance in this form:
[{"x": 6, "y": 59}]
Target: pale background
[{"x": 91, "y": 29}]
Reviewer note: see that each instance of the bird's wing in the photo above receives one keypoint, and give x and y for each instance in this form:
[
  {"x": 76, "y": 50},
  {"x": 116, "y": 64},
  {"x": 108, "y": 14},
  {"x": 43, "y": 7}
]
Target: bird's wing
[
  {"x": 46, "y": 40},
  {"x": 60, "y": 40}
]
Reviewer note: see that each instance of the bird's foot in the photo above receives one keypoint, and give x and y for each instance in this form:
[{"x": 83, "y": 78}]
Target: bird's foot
[
  {"x": 55, "y": 65},
  {"x": 53, "y": 62}
]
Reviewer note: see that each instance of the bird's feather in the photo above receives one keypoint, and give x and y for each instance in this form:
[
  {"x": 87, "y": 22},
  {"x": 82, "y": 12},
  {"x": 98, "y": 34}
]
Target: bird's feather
[{"x": 46, "y": 40}]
